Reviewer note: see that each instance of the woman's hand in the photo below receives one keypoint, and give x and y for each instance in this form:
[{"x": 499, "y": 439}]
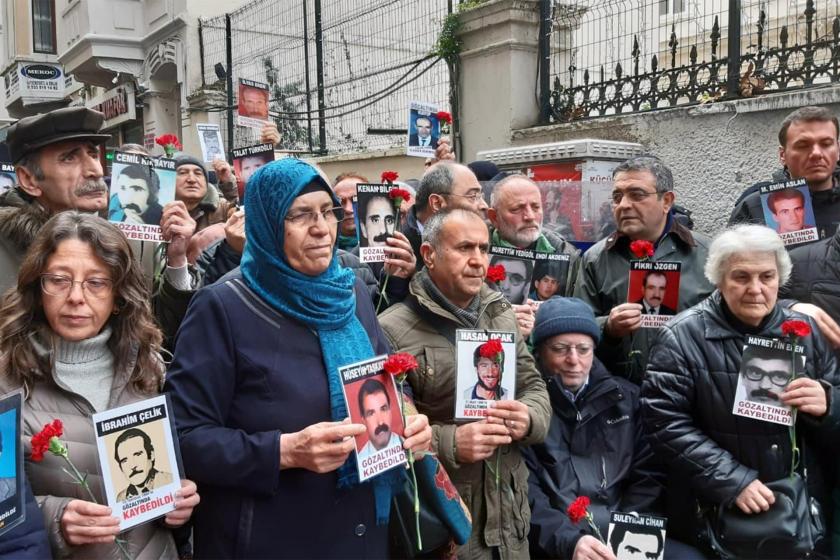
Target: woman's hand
[
  {"x": 418, "y": 433},
  {"x": 321, "y": 447},
  {"x": 185, "y": 501},
  {"x": 755, "y": 498},
  {"x": 88, "y": 523},
  {"x": 806, "y": 394}
]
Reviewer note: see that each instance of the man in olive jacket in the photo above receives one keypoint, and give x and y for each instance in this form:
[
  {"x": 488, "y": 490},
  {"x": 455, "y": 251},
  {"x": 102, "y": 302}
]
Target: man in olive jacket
[{"x": 450, "y": 294}]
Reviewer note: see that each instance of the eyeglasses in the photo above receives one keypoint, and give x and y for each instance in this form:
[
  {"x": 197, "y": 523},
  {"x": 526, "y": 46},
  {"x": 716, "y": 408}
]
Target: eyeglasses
[
  {"x": 472, "y": 197},
  {"x": 59, "y": 285},
  {"x": 633, "y": 195},
  {"x": 330, "y": 215},
  {"x": 777, "y": 378},
  {"x": 564, "y": 350}
]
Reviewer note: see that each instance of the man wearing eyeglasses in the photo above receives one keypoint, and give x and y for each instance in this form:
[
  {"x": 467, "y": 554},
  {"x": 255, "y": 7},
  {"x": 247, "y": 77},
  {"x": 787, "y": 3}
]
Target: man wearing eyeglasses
[
  {"x": 444, "y": 185},
  {"x": 642, "y": 202},
  {"x": 595, "y": 447},
  {"x": 516, "y": 212}
]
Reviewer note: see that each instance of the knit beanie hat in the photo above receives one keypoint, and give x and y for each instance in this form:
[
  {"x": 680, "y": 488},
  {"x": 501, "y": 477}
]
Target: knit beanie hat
[
  {"x": 561, "y": 315},
  {"x": 184, "y": 159}
]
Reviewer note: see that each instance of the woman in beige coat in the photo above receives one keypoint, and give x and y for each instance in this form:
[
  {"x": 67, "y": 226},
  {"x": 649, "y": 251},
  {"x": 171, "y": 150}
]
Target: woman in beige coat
[{"x": 77, "y": 335}]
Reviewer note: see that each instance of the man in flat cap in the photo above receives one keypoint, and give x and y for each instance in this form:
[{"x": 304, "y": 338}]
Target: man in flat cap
[{"x": 57, "y": 167}]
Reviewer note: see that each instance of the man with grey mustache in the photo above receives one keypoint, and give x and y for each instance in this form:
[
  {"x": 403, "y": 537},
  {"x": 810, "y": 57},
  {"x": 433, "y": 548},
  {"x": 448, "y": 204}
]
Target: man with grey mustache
[{"x": 57, "y": 167}]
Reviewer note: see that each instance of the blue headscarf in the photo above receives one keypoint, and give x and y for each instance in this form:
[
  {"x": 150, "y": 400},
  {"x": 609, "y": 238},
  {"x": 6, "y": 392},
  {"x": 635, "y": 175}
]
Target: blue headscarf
[{"x": 325, "y": 303}]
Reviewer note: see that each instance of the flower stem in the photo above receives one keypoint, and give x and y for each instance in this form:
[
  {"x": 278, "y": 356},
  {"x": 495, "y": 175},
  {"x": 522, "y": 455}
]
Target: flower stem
[
  {"x": 411, "y": 467},
  {"x": 591, "y": 521},
  {"x": 82, "y": 481},
  {"x": 383, "y": 297}
]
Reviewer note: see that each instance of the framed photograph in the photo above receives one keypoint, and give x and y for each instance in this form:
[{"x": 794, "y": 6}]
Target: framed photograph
[
  {"x": 789, "y": 209},
  {"x": 423, "y": 129},
  {"x": 632, "y": 536},
  {"x": 519, "y": 268},
  {"x": 655, "y": 285},
  {"x": 140, "y": 187},
  {"x": 483, "y": 379},
  {"x": 372, "y": 400},
  {"x": 376, "y": 220},
  {"x": 139, "y": 459},
  {"x": 247, "y": 160},
  {"x": 764, "y": 374},
  {"x": 8, "y": 180},
  {"x": 12, "y": 507},
  {"x": 210, "y": 137},
  {"x": 550, "y": 274},
  {"x": 252, "y": 110}
]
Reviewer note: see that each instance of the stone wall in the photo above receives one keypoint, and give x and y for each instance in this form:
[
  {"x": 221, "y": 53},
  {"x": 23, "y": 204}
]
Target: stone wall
[{"x": 715, "y": 151}]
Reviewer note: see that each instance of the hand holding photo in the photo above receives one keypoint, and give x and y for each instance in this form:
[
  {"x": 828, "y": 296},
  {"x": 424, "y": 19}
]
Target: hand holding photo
[
  {"x": 789, "y": 210},
  {"x": 656, "y": 287},
  {"x": 423, "y": 129},
  {"x": 140, "y": 188}
]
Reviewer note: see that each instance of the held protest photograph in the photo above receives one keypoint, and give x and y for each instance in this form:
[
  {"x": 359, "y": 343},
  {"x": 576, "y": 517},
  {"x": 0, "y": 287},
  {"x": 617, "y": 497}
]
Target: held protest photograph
[
  {"x": 252, "y": 110},
  {"x": 788, "y": 208},
  {"x": 139, "y": 461},
  {"x": 656, "y": 286},
  {"x": 486, "y": 371},
  {"x": 376, "y": 220},
  {"x": 634, "y": 536},
  {"x": 519, "y": 268},
  {"x": 549, "y": 277},
  {"x": 11, "y": 462},
  {"x": 210, "y": 138},
  {"x": 423, "y": 129},
  {"x": 764, "y": 374},
  {"x": 372, "y": 400},
  {"x": 247, "y": 160},
  {"x": 140, "y": 188}
]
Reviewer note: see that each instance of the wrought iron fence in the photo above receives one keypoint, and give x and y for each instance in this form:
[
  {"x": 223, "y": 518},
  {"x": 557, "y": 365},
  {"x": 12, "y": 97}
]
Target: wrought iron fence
[
  {"x": 626, "y": 56},
  {"x": 341, "y": 73}
]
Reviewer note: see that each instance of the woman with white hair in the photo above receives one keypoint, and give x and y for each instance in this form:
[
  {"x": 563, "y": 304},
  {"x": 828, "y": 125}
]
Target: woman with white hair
[{"x": 726, "y": 461}]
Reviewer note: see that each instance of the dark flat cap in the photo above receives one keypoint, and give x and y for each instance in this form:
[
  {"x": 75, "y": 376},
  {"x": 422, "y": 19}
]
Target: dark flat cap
[{"x": 69, "y": 123}]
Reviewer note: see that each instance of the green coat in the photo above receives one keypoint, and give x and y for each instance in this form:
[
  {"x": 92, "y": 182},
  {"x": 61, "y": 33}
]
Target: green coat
[
  {"x": 603, "y": 279},
  {"x": 501, "y": 516}
]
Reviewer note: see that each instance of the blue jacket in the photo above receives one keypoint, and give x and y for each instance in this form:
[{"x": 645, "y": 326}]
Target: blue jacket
[
  {"x": 29, "y": 539},
  {"x": 242, "y": 375}
]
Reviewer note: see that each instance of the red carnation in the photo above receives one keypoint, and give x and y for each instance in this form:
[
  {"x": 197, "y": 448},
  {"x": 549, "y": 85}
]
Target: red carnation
[
  {"x": 578, "y": 509},
  {"x": 390, "y": 176},
  {"x": 491, "y": 349},
  {"x": 42, "y": 440},
  {"x": 400, "y": 364},
  {"x": 401, "y": 195},
  {"x": 795, "y": 327},
  {"x": 496, "y": 273},
  {"x": 444, "y": 116},
  {"x": 642, "y": 249},
  {"x": 168, "y": 139}
]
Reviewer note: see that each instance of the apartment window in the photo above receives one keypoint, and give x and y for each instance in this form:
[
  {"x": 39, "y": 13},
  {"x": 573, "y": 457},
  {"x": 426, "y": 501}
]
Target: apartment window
[
  {"x": 671, "y": 7},
  {"x": 43, "y": 26}
]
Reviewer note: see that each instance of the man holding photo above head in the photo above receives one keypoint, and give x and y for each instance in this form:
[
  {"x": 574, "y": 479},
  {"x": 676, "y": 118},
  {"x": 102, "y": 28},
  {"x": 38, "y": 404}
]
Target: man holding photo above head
[
  {"x": 516, "y": 212},
  {"x": 375, "y": 406},
  {"x": 449, "y": 294}
]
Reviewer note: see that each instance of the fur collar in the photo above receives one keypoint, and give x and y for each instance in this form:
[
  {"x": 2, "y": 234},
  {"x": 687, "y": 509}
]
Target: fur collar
[{"x": 20, "y": 219}]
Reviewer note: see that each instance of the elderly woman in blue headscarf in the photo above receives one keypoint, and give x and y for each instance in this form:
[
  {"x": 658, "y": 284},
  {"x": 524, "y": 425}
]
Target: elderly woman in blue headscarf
[{"x": 255, "y": 390}]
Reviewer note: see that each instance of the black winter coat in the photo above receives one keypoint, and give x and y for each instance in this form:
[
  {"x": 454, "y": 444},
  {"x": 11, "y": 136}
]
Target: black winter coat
[
  {"x": 816, "y": 275},
  {"x": 596, "y": 448},
  {"x": 687, "y": 399}
]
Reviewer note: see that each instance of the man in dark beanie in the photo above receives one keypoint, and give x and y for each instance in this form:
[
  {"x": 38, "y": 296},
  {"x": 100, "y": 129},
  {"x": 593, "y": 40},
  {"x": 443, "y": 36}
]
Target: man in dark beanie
[
  {"x": 595, "y": 446},
  {"x": 202, "y": 199}
]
